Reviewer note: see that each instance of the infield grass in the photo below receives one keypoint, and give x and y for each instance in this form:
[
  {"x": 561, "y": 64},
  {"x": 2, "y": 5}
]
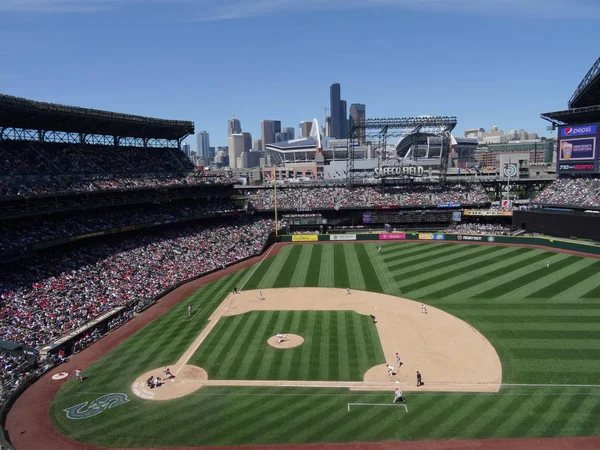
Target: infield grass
[{"x": 543, "y": 322}]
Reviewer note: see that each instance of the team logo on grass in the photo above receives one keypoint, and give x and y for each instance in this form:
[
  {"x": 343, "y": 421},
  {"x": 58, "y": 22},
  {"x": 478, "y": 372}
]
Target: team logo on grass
[{"x": 105, "y": 402}]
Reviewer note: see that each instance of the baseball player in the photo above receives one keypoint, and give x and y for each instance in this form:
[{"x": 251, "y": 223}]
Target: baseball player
[
  {"x": 419, "y": 382},
  {"x": 398, "y": 396},
  {"x": 235, "y": 291},
  {"x": 189, "y": 310},
  {"x": 347, "y": 291},
  {"x": 547, "y": 264},
  {"x": 282, "y": 338},
  {"x": 379, "y": 248},
  {"x": 168, "y": 373},
  {"x": 390, "y": 370},
  {"x": 423, "y": 309},
  {"x": 398, "y": 362},
  {"x": 78, "y": 375},
  {"x": 260, "y": 296}
]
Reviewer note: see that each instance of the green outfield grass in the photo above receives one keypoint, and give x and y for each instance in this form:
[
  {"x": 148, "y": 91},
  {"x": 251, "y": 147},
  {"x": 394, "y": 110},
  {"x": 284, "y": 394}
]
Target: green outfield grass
[{"x": 544, "y": 323}]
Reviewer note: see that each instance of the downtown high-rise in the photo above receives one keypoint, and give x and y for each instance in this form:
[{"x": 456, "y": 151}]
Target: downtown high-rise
[
  {"x": 203, "y": 147},
  {"x": 234, "y": 126},
  {"x": 335, "y": 130},
  {"x": 358, "y": 115}
]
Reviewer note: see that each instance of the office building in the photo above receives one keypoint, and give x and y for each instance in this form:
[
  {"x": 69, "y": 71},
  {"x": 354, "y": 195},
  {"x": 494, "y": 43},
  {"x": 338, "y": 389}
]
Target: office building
[
  {"x": 203, "y": 146},
  {"x": 257, "y": 144},
  {"x": 267, "y": 131},
  {"x": 234, "y": 126},
  {"x": 251, "y": 159},
  {"x": 336, "y": 115},
  {"x": 327, "y": 127},
  {"x": 305, "y": 128},
  {"x": 236, "y": 148},
  {"x": 290, "y": 132},
  {"x": 185, "y": 148},
  {"x": 212, "y": 152},
  {"x": 247, "y": 141},
  {"x": 358, "y": 115},
  {"x": 343, "y": 119}
]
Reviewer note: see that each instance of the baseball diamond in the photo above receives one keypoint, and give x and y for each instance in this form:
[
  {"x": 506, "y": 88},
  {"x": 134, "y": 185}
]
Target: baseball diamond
[{"x": 542, "y": 323}]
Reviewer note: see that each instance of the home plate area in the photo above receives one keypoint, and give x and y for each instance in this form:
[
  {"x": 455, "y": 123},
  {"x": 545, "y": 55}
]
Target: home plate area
[{"x": 187, "y": 380}]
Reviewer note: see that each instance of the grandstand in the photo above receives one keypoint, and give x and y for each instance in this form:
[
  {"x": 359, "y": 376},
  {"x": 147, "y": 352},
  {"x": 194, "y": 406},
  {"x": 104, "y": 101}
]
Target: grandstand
[{"x": 100, "y": 213}]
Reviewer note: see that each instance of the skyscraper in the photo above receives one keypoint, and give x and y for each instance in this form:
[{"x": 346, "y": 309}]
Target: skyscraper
[
  {"x": 203, "y": 146},
  {"x": 290, "y": 133},
  {"x": 185, "y": 148},
  {"x": 334, "y": 105},
  {"x": 257, "y": 144},
  {"x": 236, "y": 148},
  {"x": 343, "y": 119},
  {"x": 247, "y": 141},
  {"x": 305, "y": 128},
  {"x": 358, "y": 115},
  {"x": 234, "y": 126},
  {"x": 267, "y": 130}
]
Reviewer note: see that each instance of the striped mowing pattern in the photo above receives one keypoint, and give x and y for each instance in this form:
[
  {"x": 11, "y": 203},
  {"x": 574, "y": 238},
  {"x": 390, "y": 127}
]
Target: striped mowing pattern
[
  {"x": 237, "y": 348},
  {"x": 544, "y": 323}
]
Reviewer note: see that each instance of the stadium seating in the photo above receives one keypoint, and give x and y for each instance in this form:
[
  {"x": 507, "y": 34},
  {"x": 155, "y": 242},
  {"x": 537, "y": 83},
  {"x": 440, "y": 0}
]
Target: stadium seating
[
  {"x": 582, "y": 192},
  {"x": 359, "y": 197},
  {"x": 47, "y": 296},
  {"x": 22, "y": 232}
]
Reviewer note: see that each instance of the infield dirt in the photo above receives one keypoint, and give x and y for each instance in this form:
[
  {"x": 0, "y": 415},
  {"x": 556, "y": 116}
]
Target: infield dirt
[{"x": 450, "y": 354}]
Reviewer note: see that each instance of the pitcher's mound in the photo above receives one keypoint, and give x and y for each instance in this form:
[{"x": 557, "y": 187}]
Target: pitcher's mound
[
  {"x": 187, "y": 380},
  {"x": 293, "y": 340}
]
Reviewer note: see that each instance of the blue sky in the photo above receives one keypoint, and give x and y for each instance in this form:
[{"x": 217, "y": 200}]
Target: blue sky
[{"x": 489, "y": 62}]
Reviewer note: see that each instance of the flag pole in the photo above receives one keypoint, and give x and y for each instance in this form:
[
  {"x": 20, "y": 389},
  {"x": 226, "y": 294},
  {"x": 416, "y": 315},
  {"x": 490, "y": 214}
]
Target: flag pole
[{"x": 275, "y": 201}]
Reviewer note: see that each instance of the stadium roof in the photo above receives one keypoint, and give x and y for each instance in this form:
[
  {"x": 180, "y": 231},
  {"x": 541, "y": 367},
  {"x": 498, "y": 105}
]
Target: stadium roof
[
  {"x": 28, "y": 114},
  {"x": 573, "y": 116},
  {"x": 295, "y": 143},
  {"x": 588, "y": 91}
]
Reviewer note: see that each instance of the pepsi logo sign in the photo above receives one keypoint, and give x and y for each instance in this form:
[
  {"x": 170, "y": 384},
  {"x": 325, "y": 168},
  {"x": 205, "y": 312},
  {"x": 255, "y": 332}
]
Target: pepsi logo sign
[{"x": 579, "y": 130}]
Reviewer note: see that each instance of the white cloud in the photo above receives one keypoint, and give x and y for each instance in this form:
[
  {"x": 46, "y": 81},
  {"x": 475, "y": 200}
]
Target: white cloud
[{"x": 199, "y": 10}]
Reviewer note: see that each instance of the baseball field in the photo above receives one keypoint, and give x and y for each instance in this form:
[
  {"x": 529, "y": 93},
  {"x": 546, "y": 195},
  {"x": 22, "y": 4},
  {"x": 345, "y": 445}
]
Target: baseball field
[{"x": 232, "y": 387}]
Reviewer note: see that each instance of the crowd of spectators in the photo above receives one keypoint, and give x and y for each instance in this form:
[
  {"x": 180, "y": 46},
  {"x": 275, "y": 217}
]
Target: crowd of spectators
[
  {"x": 584, "y": 192},
  {"x": 57, "y": 292},
  {"x": 18, "y": 233},
  {"x": 480, "y": 228},
  {"x": 43, "y": 158},
  {"x": 356, "y": 197},
  {"x": 55, "y": 185},
  {"x": 14, "y": 368}
]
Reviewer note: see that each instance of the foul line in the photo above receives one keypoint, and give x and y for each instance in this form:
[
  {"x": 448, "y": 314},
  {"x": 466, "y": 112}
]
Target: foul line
[
  {"x": 377, "y": 404},
  {"x": 189, "y": 319},
  {"x": 552, "y": 385},
  {"x": 258, "y": 265}
]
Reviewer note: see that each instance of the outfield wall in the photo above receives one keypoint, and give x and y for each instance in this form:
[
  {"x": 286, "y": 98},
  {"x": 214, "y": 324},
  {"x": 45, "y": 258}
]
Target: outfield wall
[
  {"x": 444, "y": 237},
  {"x": 565, "y": 224}
]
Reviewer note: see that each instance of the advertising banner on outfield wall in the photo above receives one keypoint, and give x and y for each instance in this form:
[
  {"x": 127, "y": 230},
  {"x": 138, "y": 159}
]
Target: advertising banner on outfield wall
[
  {"x": 431, "y": 237},
  {"x": 486, "y": 212},
  {"x": 342, "y": 237},
  {"x": 305, "y": 237},
  {"x": 392, "y": 236},
  {"x": 462, "y": 237}
]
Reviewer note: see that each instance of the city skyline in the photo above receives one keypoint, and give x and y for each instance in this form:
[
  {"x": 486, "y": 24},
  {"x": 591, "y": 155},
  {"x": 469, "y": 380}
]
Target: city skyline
[{"x": 507, "y": 75}]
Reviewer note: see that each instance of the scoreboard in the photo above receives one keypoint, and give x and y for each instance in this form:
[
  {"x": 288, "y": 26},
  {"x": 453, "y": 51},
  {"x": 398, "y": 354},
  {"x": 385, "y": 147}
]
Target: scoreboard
[
  {"x": 305, "y": 220},
  {"x": 407, "y": 217}
]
